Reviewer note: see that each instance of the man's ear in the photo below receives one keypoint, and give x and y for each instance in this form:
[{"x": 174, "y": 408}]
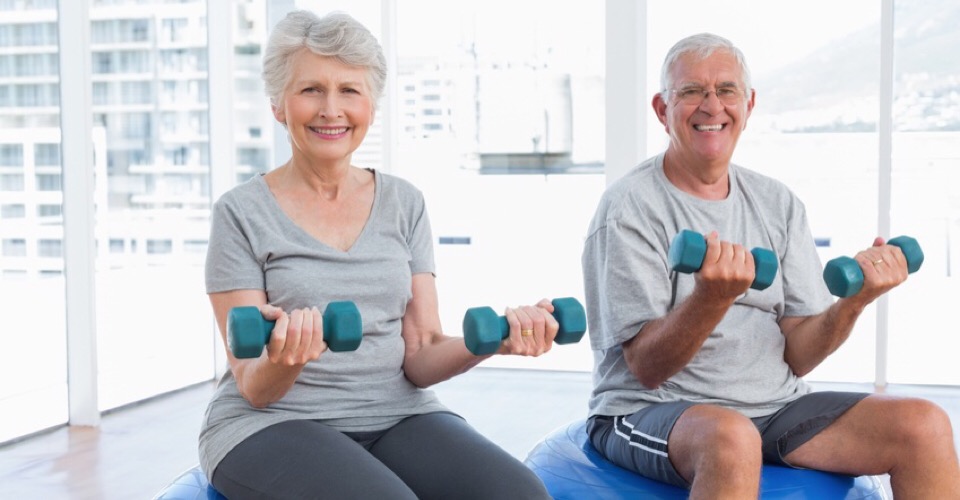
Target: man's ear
[
  {"x": 750, "y": 103},
  {"x": 660, "y": 108}
]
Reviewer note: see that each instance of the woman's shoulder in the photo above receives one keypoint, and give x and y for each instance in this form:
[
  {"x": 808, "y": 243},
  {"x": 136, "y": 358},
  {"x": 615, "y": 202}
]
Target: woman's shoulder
[
  {"x": 248, "y": 191},
  {"x": 394, "y": 181},
  {"x": 402, "y": 189}
]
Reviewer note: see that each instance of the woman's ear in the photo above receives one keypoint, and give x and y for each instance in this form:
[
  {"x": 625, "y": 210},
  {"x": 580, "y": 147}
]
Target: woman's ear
[{"x": 279, "y": 114}]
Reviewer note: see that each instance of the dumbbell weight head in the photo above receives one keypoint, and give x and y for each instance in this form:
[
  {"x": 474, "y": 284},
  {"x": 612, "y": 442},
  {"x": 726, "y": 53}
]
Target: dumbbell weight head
[
  {"x": 911, "y": 251},
  {"x": 572, "y": 319},
  {"x": 483, "y": 330},
  {"x": 843, "y": 276},
  {"x": 247, "y": 331},
  {"x": 687, "y": 251},
  {"x": 342, "y": 326},
  {"x": 766, "y": 267}
]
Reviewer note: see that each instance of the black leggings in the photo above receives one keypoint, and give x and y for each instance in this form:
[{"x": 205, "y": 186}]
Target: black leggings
[{"x": 436, "y": 455}]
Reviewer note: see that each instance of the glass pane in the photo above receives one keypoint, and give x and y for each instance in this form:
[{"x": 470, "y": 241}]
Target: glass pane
[
  {"x": 154, "y": 327},
  {"x": 33, "y": 388},
  {"x": 253, "y": 121},
  {"x": 502, "y": 126},
  {"x": 814, "y": 124},
  {"x": 926, "y": 190}
]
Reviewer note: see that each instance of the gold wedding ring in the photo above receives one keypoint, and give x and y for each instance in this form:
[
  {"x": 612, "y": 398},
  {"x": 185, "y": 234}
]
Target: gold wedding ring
[
  {"x": 526, "y": 333},
  {"x": 878, "y": 261}
]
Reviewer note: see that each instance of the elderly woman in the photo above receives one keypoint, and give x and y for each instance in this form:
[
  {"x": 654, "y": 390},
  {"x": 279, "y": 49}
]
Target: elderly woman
[{"x": 300, "y": 421}]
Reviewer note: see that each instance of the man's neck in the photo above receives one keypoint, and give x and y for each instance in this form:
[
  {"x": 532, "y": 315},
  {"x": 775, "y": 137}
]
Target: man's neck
[{"x": 709, "y": 181}]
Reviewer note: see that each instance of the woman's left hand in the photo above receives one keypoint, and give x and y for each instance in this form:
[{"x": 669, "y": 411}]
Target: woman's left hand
[{"x": 532, "y": 329}]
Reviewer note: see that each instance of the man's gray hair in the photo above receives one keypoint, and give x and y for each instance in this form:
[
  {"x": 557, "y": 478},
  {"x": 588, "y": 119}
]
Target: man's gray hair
[{"x": 703, "y": 45}]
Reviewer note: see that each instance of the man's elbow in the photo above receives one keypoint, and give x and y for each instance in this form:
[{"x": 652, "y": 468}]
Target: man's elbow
[{"x": 647, "y": 377}]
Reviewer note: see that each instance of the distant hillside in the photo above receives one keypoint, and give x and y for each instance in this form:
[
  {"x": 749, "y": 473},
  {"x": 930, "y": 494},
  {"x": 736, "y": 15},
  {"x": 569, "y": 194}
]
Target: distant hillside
[{"x": 927, "y": 68}]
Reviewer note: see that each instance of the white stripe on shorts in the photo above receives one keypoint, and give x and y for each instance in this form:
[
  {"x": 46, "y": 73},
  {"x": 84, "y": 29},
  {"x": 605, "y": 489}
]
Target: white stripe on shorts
[{"x": 635, "y": 432}]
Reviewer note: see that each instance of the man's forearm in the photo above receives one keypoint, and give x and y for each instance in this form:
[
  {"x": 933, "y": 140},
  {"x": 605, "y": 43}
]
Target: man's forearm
[
  {"x": 665, "y": 345},
  {"x": 814, "y": 338}
]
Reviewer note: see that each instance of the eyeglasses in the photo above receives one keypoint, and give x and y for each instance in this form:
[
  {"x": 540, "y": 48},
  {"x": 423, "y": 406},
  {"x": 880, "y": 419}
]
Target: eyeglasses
[{"x": 694, "y": 96}]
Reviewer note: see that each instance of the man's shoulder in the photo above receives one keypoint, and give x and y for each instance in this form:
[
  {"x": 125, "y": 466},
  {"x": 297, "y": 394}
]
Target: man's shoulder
[
  {"x": 757, "y": 182},
  {"x": 639, "y": 179}
]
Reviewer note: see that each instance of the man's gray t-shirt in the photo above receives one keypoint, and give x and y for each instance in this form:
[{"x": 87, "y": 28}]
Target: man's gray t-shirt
[
  {"x": 254, "y": 245},
  {"x": 628, "y": 282}
]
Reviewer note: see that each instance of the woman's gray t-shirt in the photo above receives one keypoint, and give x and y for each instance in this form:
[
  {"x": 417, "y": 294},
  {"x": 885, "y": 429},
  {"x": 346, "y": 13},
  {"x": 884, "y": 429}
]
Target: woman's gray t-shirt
[
  {"x": 254, "y": 245},
  {"x": 628, "y": 282}
]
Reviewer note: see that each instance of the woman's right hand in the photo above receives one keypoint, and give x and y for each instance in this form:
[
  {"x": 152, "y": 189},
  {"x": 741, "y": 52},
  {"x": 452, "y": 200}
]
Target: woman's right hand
[{"x": 297, "y": 337}]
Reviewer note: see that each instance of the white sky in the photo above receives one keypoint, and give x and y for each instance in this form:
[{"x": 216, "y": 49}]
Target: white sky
[{"x": 771, "y": 33}]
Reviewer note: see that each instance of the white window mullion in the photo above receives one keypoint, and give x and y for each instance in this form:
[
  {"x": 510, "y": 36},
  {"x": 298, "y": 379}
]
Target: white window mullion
[
  {"x": 79, "y": 183},
  {"x": 389, "y": 109},
  {"x": 220, "y": 78},
  {"x": 282, "y": 151},
  {"x": 885, "y": 174},
  {"x": 626, "y": 86}
]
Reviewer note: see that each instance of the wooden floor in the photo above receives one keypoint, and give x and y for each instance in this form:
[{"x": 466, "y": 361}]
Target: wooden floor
[{"x": 139, "y": 449}]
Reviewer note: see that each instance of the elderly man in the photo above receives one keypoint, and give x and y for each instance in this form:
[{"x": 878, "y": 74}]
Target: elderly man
[{"x": 698, "y": 377}]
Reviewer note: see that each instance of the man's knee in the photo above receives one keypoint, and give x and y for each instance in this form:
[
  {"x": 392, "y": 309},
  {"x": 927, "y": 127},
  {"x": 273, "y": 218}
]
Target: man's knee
[
  {"x": 920, "y": 423},
  {"x": 715, "y": 437}
]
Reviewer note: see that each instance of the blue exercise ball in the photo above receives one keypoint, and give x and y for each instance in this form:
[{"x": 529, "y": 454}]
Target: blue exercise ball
[
  {"x": 191, "y": 485},
  {"x": 572, "y": 469}
]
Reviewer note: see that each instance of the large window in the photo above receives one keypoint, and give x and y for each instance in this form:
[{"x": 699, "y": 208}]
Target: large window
[
  {"x": 925, "y": 201},
  {"x": 152, "y": 314},
  {"x": 500, "y": 120},
  {"x": 33, "y": 376},
  {"x": 501, "y": 124}
]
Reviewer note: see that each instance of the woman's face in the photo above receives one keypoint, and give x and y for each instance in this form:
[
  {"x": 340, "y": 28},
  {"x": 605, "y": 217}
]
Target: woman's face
[{"x": 327, "y": 107}]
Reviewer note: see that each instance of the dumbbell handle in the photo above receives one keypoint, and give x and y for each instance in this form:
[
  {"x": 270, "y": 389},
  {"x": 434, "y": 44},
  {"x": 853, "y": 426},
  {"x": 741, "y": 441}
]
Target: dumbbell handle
[
  {"x": 248, "y": 331},
  {"x": 688, "y": 249},
  {"x": 844, "y": 277},
  {"x": 568, "y": 312}
]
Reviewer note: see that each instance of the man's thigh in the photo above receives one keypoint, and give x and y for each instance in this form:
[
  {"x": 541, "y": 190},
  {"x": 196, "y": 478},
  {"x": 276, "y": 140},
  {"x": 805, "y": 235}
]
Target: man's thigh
[
  {"x": 800, "y": 421},
  {"x": 873, "y": 434},
  {"x": 638, "y": 442}
]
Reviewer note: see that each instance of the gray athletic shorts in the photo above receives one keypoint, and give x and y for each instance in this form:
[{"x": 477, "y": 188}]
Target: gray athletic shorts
[{"x": 638, "y": 442}]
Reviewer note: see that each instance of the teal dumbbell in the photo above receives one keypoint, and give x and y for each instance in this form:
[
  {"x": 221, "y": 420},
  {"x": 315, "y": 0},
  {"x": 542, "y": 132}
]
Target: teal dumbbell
[
  {"x": 844, "y": 277},
  {"x": 483, "y": 329},
  {"x": 689, "y": 247},
  {"x": 248, "y": 331}
]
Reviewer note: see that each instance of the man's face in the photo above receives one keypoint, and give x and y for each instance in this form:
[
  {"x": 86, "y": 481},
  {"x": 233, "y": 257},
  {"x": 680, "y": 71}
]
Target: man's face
[{"x": 704, "y": 131}]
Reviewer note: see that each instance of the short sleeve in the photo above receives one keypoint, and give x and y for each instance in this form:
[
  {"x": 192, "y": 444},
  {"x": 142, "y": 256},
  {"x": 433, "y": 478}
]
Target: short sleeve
[
  {"x": 231, "y": 263},
  {"x": 805, "y": 293},
  {"x": 420, "y": 239},
  {"x": 626, "y": 282}
]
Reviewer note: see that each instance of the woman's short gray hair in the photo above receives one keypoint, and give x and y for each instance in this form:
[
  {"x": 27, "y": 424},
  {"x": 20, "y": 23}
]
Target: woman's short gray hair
[
  {"x": 703, "y": 44},
  {"x": 334, "y": 35}
]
